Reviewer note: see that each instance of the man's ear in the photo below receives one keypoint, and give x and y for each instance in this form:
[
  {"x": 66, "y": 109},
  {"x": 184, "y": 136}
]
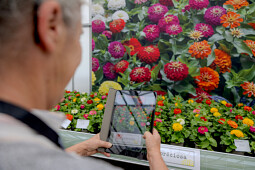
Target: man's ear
[{"x": 49, "y": 25}]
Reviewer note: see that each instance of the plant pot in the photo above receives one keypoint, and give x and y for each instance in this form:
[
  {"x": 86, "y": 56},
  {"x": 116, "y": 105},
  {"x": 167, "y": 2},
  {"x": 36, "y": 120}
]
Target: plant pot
[{"x": 238, "y": 153}]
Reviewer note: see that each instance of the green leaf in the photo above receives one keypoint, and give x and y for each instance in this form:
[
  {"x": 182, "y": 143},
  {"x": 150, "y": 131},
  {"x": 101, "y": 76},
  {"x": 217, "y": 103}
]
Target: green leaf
[
  {"x": 202, "y": 138},
  {"x": 216, "y": 37},
  {"x": 204, "y": 144},
  {"x": 232, "y": 146},
  {"x": 170, "y": 95},
  {"x": 213, "y": 142},
  {"x": 156, "y": 70},
  {"x": 102, "y": 42},
  {"x": 211, "y": 57},
  {"x": 127, "y": 49},
  {"x": 251, "y": 8},
  {"x": 229, "y": 149},
  {"x": 248, "y": 74},
  {"x": 228, "y": 36},
  {"x": 242, "y": 47},
  {"x": 186, "y": 87},
  {"x": 156, "y": 87},
  {"x": 99, "y": 75},
  {"x": 220, "y": 29}
]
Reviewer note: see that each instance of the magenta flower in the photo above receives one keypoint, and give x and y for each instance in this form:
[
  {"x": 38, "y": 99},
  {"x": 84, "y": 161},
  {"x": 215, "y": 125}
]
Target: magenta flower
[
  {"x": 93, "y": 112},
  {"x": 152, "y": 32},
  {"x": 109, "y": 71},
  {"x": 69, "y": 98},
  {"x": 93, "y": 44},
  {"x": 158, "y": 120},
  {"x": 57, "y": 107},
  {"x": 202, "y": 129},
  {"x": 252, "y": 129},
  {"x": 196, "y": 111},
  {"x": 82, "y": 107},
  {"x": 143, "y": 124},
  {"x": 104, "y": 97},
  {"x": 140, "y": 1},
  {"x": 213, "y": 14},
  {"x": 198, "y": 4},
  {"x": 206, "y": 29},
  {"x": 95, "y": 64},
  {"x": 174, "y": 29},
  {"x": 86, "y": 116},
  {"x": 116, "y": 49},
  {"x": 108, "y": 34},
  {"x": 98, "y": 26},
  {"x": 231, "y": 110},
  {"x": 186, "y": 8},
  {"x": 167, "y": 20},
  {"x": 156, "y": 12},
  {"x": 253, "y": 112}
]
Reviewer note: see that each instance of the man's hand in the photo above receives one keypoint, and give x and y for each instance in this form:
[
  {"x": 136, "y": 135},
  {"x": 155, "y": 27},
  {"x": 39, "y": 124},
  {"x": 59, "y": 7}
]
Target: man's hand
[{"x": 89, "y": 147}]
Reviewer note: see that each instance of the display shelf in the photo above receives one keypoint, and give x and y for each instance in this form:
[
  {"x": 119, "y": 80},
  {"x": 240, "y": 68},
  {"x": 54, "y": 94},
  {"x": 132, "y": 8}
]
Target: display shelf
[{"x": 209, "y": 160}]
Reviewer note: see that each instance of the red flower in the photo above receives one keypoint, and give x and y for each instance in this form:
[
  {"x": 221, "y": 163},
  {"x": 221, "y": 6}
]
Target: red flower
[
  {"x": 166, "y": 2},
  {"x": 221, "y": 121},
  {"x": 161, "y": 93},
  {"x": 68, "y": 91},
  {"x": 239, "y": 117},
  {"x": 78, "y": 95},
  {"x": 149, "y": 54},
  {"x": 121, "y": 66},
  {"x": 117, "y": 25},
  {"x": 157, "y": 113},
  {"x": 92, "y": 95},
  {"x": 133, "y": 44},
  {"x": 69, "y": 117},
  {"x": 203, "y": 118},
  {"x": 208, "y": 102},
  {"x": 229, "y": 105},
  {"x": 177, "y": 111},
  {"x": 201, "y": 95},
  {"x": 160, "y": 103},
  {"x": 155, "y": 123},
  {"x": 249, "y": 88},
  {"x": 176, "y": 71},
  {"x": 90, "y": 101},
  {"x": 247, "y": 108},
  {"x": 140, "y": 74}
]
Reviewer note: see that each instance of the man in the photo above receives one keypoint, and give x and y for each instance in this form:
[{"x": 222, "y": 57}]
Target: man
[{"x": 39, "y": 53}]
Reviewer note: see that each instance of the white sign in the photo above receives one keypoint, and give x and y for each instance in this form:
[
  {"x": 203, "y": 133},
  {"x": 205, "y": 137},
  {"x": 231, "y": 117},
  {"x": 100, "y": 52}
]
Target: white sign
[
  {"x": 127, "y": 139},
  {"x": 82, "y": 124},
  {"x": 181, "y": 157},
  {"x": 242, "y": 145},
  {"x": 66, "y": 123}
]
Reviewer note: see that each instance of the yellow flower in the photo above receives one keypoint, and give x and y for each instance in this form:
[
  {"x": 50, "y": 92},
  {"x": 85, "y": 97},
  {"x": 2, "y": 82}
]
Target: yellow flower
[
  {"x": 240, "y": 104},
  {"x": 131, "y": 123},
  {"x": 214, "y": 110},
  {"x": 177, "y": 127},
  {"x": 100, "y": 107},
  {"x": 93, "y": 78},
  {"x": 105, "y": 87},
  {"x": 196, "y": 115},
  {"x": 163, "y": 97},
  {"x": 248, "y": 122},
  {"x": 190, "y": 101},
  {"x": 176, "y": 104},
  {"x": 238, "y": 133},
  {"x": 97, "y": 100},
  {"x": 216, "y": 114},
  {"x": 74, "y": 100},
  {"x": 223, "y": 102}
]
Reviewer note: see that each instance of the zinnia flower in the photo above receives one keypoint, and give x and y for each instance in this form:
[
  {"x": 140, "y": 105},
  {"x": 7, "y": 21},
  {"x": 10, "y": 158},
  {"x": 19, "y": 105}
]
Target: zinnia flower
[
  {"x": 82, "y": 107},
  {"x": 116, "y": 4},
  {"x": 93, "y": 78},
  {"x": 120, "y": 15},
  {"x": 181, "y": 121},
  {"x": 134, "y": 46},
  {"x": 99, "y": 17},
  {"x": 252, "y": 24},
  {"x": 222, "y": 60},
  {"x": 117, "y": 25},
  {"x": 213, "y": 14},
  {"x": 251, "y": 44},
  {"x": 161, "y": 103},
  {"x": 100, "y": 107},
  {"x": 95, "y": 64},
  {"x": 86, "y": 116},
  {"x": 105, "y": 87},
  {"x": 93, "y": 44},
  {"x": 252, "y": 129},
  {"x": 216, "y": 114},
  {"x": 74, "y": 111},
  {"x": 205, "y": 29},
  {"x": 116, "y": 49},
  {"x": 167, "y": 2},
  {"x": 247, "y": 108},
  {"x": 203, "y": 118},
  {"x": 176, "y": 71},
  {"x": 149, "y": 54},
  {"x": 177, "y": 111},
  {"x": 196, "y": 35},
  {"x": 140, "y": 74},
  {"x": 248, "y": 122},
  {"x": 156, "y": 12},
  {"x": 202, "y": 130},
  {"x": 186, "y": 8},
  {"x": 249, "y": 88},
  {"x": 97, "y": 9},
  {"x": 238, "y": 133},
  {"x": 98, "y": 26},
  {"x": 121, "y": 66},
  {"x": 236, "y": 32},
  {"x": 140, "y": 1},
  {"x": 69, "y": 117},
  {"x": 213, "y": 110},
  {"x": 208, "y": 79},
  {"x": 231, "y": 19},
  {"x": 221, "y": 121},
  {"x": 200, "y": 49},
  {"x": 196, "y": 111},
  {"x": 93, "y": 112},
  {"x": 201, "y": 95},
  {"x": 198, "y": 4},
  {"x": 237, "y": 4},
  {"x": 177, "y": 127},
  {"x": 109, "y": 71},
  {"x": 239, "y": 117},
  {"x": 167, "y": 20},
  {"x": 108, "y": 34},
  {"x": 232, "y": 124},
  {"x": 173, "y": 29},
  {"x": 151, "y": 32}
]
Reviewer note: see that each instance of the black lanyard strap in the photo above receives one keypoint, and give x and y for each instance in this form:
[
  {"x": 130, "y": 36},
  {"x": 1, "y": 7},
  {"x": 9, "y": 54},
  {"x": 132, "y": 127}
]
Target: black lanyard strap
[{"x": 31, "y": 120}]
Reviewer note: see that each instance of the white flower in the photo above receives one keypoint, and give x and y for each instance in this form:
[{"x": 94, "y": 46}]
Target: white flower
[
  {"x": 116, "y": 4},
  {"x": 83, "y": 93},
  {"x": 74, "y": 111},
  {"x": 236, "y": 32},
  {"x": 83, "y": 99},
  {"x": 97, "y": 10},
  {"x": 181, "y": 121},
  {"x": 98, "y": 17},
  {"x": 120, "y": 15}
]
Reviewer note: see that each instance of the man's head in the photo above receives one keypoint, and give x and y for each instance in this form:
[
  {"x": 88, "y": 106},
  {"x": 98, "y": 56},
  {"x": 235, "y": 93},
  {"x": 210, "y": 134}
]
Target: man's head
[{"x": 39, "y": 45}]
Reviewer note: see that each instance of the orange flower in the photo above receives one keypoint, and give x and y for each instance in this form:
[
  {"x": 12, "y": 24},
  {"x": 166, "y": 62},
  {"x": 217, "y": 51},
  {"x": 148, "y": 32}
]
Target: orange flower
[
  {"x": 232, "y": 124},
  {"x": 69, "y": 117},
  {"x": 236, "y": 3},
  {"x": 222, "y": 60},
  {"x": 160, "y": 103},
  {"x": 208, "y": 79},
  {"x": 231, "y": 19},
  {"x": 200, "y": 49},
  {"x": 252, "y": 24},
  {"x": 249, "y": 88},
  {"x": 251, "y": 44},
  {"x": 247, "y": 108}
]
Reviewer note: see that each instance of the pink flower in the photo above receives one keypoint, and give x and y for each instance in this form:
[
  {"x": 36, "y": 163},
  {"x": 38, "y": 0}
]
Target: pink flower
[
  {"x": 62, "y": 100},
  {"x": 86, "y": 116},
  {"x": 108, "y": 34},
  {"x": 143, "y": 123},
  {"x": 152, "y": 32},
  {"x": 202, "y": 129},
  {"x": 57, "y": 107},
  {"x": 95, "y": 64},
  {"x": 253, "y": 112},
  {"x": 98, "y": 26},
  {"x": 198, "y": 4},
  {"x": 206, "y": 29},
  {"x": 109, "y": 71},
  {"x": 140, "y": 1},
  {"x": 95, "y": 94},
  {"x": 156, "y": 12},
  {"x": 196, "y": 111},
  {"x": 104, "y": 97},
  {"x": 82, "y": 107},
  {"x": 69, "y": 98},
  {"x": 231, "y": 110},
  {"x": 252, "y": 129},
  {"x": 93, "y": 112},
  {"x": 93, "y": 44},
  {"x": 186, "y": 8},
  {"x": 213, "y": 14},
  {"x": 167, "y": 20},
  {"x": 116, "y": 49},
  {"x": 158, "y": 120},
  {"x": 173, "y": 29}
]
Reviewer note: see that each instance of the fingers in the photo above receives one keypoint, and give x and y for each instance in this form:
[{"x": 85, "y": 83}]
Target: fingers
[
  {"x": 105, "y": 154},
  {"x": 155, "y": 132},
  {"x": 103, "y": 144}
]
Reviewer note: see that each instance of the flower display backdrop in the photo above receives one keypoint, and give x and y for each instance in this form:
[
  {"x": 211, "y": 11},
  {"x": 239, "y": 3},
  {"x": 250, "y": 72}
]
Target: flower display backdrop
[{"x": 188, "y": 47}]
